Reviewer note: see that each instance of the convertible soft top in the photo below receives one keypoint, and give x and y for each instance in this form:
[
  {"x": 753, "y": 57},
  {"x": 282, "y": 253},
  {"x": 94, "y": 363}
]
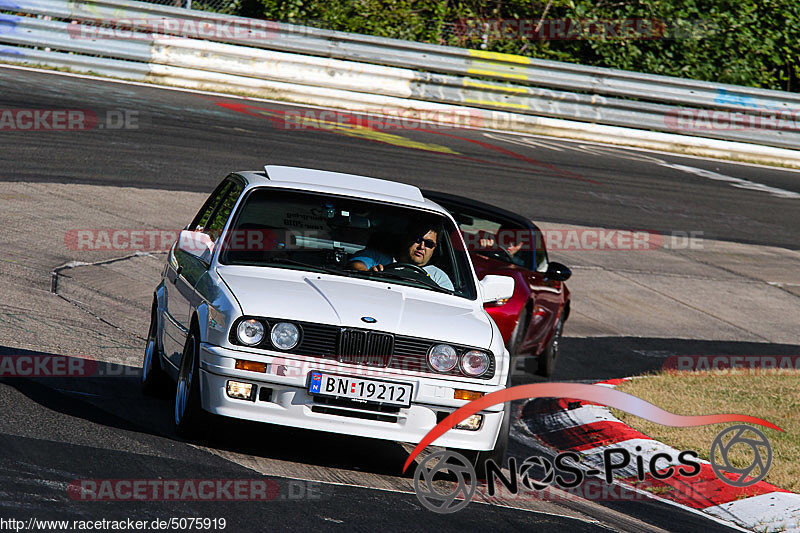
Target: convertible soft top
[{"x": 447, "y": 200}]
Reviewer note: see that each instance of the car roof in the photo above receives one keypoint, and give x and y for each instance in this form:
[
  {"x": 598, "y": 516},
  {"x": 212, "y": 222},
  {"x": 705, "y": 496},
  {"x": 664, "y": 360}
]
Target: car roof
[
  {"x": 339, "y": 183},
  {"x": 454, "y": 201}
]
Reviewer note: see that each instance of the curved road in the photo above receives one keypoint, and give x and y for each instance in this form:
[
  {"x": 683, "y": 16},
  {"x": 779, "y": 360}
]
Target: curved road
[
  {"x": 187, "y": 141},
  {"x": 55, "y": 431}
]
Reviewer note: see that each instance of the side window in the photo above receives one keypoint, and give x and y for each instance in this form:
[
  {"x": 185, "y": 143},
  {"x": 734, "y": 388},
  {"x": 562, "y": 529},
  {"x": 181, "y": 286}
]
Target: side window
[
  {"x": 201, "y": 218},
  {"x": 219, "y": 216},
  {"x": 541, "y": 253}
]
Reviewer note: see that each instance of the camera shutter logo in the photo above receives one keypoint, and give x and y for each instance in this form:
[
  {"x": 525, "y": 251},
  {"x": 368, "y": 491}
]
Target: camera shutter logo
[
  {"x": 749, "y": 436},
  {"x": 458, "y": 466},
  {"x": 533, "y": 464}
]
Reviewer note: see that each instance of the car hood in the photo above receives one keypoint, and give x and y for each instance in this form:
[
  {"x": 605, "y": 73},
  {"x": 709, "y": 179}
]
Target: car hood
[{"x": 343, "y": 301}]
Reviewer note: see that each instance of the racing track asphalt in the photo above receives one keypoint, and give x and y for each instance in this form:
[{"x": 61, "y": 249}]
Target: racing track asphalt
[
  {"x": 58, "y": 431},
  {"x": 51, "y": 438},
  {"x": 187, "y": 141}
]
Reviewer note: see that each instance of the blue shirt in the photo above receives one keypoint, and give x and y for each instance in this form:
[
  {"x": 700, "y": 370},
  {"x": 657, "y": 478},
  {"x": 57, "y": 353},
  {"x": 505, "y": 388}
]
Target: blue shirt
[{"x": 373, "y": 257}]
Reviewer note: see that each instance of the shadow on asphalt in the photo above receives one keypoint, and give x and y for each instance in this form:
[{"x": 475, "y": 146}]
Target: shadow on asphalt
[
  {"x": 601, "y": 358},
  {"x": 109, "y": 394},
  {"x": 111, "y": 398}
]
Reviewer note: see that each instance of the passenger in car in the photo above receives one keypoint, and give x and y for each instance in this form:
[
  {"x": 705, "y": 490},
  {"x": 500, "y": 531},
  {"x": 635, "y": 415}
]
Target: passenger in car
[
  {"x": 418, "y": 247},
  {"x": 508, "y": 239}
]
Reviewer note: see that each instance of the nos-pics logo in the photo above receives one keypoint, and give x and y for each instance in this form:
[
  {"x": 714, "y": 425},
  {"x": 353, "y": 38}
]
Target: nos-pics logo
[
  {"x": 449, "y": 500},
  {"x": 438, "y": 463},
  {"x": 445, "y": 481}
]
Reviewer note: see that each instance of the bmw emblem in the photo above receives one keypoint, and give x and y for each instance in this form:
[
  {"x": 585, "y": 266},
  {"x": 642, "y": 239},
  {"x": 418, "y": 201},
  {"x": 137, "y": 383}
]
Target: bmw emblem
[{"x": 368, "y": 319}]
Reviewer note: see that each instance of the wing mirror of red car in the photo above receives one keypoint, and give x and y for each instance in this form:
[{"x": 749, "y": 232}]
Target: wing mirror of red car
[{"x": 557, "y": 272}]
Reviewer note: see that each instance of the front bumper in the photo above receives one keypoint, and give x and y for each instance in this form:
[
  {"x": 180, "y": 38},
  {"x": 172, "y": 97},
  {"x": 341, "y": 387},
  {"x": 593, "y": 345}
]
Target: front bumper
[{"x": 290, "y": 404}]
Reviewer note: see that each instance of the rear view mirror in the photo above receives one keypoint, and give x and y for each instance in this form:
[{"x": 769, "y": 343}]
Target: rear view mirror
[
  {"x": 360, "y": 222},
  {"x": 496, "y": 288},
  {"x": 197, "y": 244},
  {"x": 347, "y": 220},
  {"x": 557, "y": 272}
]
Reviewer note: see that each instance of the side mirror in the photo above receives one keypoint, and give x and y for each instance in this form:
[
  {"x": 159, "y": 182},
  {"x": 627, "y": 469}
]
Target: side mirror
[
  {"x": 496, "y": 288},
  {"x": 197, "y": 244},
  {"x": 557, "y": 272}
]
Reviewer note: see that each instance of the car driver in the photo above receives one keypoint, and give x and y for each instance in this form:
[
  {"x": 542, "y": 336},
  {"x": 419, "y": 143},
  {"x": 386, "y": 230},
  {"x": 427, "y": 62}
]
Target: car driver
[{"x": 417, "y": 249}]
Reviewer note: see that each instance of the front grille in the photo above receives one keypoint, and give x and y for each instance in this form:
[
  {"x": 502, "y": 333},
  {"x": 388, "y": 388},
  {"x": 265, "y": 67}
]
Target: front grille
[
  {"x": 318, "y": 340},
  {"x": 362, "y": 347},
  {"x": 411, "y": 354}
]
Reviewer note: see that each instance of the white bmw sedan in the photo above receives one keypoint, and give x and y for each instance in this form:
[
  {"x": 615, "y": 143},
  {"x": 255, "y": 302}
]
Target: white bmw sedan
[{"x": 330, "y": 302}]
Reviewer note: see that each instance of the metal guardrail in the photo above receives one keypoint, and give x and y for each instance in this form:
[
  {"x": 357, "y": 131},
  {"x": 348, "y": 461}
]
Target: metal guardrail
[{"x": 431, "y": 73}]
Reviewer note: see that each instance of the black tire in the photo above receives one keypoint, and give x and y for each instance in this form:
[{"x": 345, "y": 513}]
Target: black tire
[
  {"x": 517, "y": 336},
  {"x": 187, "y": 416},
  {"x": 153, "y": 378},
  {"x": 515, "y": 341},
  {"x": 547, "y": 359}
]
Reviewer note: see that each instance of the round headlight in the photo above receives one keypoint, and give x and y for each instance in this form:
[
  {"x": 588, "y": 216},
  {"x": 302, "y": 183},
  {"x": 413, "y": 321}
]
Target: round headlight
[
  {"x": 285, "y": 336},
  {"x": 442, "y": 358},
  {"x": 250, "y": 332},
  {"x": 474, "y": 363}
]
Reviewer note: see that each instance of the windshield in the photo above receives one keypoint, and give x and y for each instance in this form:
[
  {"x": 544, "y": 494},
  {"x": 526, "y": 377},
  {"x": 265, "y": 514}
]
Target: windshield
[
  {"x": 348, "y": 237},
  {"x": 498, "y": 238}
]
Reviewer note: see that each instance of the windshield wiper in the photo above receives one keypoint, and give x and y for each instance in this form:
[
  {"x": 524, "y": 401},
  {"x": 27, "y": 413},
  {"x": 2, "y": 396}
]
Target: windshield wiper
[{"x": 382, "y": 273}]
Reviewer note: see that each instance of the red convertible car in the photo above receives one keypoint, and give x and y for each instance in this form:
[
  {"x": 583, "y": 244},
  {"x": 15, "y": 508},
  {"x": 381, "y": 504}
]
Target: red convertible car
[{"x": 504, "y": 243}]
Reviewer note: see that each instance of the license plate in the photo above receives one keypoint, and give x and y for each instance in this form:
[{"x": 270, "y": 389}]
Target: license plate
[{"x": 369, "y": 390}]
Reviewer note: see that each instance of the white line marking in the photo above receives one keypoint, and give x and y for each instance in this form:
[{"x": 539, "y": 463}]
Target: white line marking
[
  {"x": 583, "y": 146},
  {"x": 525, "y": 141},
  {"x": 735, "y": 182},
  {"x": 554, "y": 140}
]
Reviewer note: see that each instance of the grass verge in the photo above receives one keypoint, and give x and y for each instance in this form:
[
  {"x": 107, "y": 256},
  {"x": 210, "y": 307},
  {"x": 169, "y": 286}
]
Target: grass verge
[{"x": 773, "y": 395}]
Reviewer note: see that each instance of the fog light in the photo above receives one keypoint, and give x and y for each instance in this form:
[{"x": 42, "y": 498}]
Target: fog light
[
  {"x": 460, "y": 394},
  {"x": 240, "y": 391},
  {"x": 472, "y": 423},
  {"x": 252, "y": 366}
]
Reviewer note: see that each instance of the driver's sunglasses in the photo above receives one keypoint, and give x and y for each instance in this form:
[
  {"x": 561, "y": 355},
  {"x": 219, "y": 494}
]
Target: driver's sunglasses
[{"x": 429, "y": 243}]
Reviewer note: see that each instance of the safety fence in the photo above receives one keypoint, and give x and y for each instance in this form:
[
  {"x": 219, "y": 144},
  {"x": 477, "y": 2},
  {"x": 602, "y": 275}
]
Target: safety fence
[{"x": 171, "y": 45}]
